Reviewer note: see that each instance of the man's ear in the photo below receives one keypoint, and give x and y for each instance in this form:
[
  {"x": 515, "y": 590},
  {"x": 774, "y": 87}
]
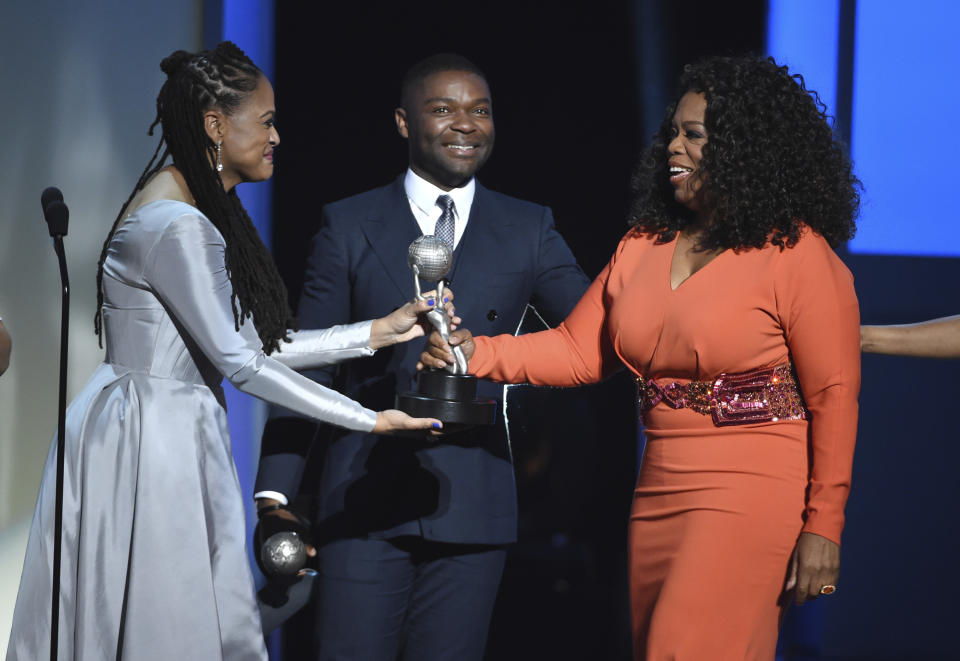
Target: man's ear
[
  {"x": 214, "y": 125},
  {"x": 400, "y": 117}
]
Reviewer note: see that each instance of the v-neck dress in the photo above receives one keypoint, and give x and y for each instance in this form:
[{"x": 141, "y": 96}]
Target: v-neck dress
[{"x": 717, "y": 510}]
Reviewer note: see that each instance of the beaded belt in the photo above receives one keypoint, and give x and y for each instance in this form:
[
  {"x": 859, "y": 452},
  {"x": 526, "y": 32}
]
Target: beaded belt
[{"x": 764, "y": 395}]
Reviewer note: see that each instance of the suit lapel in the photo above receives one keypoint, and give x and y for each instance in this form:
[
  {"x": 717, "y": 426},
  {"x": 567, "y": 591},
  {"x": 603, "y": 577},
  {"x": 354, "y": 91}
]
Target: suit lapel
[
  {"x": 390, "y": 228},
  {"x": 486, "y": 239}
]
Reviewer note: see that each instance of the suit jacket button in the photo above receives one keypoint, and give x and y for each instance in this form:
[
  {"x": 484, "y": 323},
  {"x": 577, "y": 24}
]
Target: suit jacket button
[{"x": 492, "y": 315}]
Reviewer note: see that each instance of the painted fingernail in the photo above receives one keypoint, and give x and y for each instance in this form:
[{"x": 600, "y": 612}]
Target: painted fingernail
[
  {"x": 446, "y": 300},
  {"x": 429, "y": 301},
  {"x": 436, "y": 425}
]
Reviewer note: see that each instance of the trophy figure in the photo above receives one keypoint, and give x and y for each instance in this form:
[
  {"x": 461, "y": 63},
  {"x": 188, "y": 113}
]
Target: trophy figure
[{"x": 449, "y": 394}]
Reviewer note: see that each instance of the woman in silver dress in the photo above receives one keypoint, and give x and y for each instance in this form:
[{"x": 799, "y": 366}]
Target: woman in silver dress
[{"x": 154, "y": 563}]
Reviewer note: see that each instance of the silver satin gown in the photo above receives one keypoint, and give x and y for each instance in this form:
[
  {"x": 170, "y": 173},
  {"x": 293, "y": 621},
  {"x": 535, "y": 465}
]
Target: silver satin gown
[{"x": 154, "y": 565}]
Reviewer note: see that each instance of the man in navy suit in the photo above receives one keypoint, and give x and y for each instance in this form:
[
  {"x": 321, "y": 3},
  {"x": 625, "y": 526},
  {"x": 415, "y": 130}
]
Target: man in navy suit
[{"x": 411, "y": 532}]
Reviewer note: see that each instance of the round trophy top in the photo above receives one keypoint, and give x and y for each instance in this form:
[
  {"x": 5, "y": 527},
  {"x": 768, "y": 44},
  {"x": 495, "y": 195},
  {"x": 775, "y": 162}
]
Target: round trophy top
[
  {"x": 283, "y": 554},
  {"x": 432, "y": 257}
]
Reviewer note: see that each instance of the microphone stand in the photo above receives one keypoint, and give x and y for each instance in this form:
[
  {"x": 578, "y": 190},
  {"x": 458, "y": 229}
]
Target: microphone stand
[
  {"x": 61, "y": 441},
  {"x": 55, "y": 213}
]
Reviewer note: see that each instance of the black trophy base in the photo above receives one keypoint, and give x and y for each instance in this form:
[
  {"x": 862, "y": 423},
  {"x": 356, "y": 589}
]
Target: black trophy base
[{"x": 451, "y": 398}]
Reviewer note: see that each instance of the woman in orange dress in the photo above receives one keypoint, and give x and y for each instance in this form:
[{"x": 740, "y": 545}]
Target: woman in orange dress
[{"x": 741, "y": 325}]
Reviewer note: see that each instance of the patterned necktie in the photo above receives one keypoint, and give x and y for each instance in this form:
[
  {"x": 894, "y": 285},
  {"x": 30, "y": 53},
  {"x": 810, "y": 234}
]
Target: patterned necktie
[{"x": 444, "y": 228}]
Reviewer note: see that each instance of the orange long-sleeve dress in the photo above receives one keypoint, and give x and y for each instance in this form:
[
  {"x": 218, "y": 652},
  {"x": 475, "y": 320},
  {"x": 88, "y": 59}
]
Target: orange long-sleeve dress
[{"x": 717, "y": 510}]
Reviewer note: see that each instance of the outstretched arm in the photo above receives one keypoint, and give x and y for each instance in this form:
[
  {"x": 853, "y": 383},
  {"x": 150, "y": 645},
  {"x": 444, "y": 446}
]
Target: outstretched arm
[
  {"x": 315, "y": 348},
  {"x": 937, "y": 338},
  {"x": 577, "y": 352},
  {"x": 186, "y": 268}
]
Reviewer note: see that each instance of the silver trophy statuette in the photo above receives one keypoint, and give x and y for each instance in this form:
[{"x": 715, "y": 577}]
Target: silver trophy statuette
[
  {"x": 283, "y": 554},
  {"x": 430, "y": 258},
  {"x": 449, "y": 394}
]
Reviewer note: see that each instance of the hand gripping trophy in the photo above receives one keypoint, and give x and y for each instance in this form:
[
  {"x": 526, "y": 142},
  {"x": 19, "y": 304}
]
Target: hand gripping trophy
[{"x": 449, "y": 394}]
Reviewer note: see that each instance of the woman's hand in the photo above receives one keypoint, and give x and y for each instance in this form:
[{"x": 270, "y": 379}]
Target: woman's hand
[
  {"x": 406, "y": 323},
  {"x": 439, "y": 353},
  {"x": 393, "y": 421},
  {"x": 815, "y": 564}
]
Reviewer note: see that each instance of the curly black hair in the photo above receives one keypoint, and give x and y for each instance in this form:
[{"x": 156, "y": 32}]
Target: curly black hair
[{"x": 771, "y": 162}]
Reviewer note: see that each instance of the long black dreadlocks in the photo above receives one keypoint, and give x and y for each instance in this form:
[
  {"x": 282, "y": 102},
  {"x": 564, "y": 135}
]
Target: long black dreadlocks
[{"x": 221, "y": 79}]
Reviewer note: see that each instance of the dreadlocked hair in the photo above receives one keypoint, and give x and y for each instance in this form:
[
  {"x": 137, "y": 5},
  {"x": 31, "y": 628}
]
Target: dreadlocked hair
[{"x": 221, "y": 79}]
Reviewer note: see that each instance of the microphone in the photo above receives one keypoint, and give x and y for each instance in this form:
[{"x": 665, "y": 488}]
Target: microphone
[
  {"x": 48, "y": 195},
  {"x": 55, "y": 212}
]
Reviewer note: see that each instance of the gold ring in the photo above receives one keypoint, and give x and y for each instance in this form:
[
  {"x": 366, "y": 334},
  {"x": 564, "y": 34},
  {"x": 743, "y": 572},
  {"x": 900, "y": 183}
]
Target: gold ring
[{"x": 828, "y": 589}]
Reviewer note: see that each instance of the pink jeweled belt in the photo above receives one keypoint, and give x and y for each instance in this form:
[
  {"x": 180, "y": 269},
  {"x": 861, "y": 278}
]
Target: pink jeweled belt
[{"x": 763, "y": 395}]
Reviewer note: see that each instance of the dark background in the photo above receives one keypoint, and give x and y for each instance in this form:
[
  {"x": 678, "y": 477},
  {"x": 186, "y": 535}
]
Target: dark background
[{"x": 578, "y": 88}]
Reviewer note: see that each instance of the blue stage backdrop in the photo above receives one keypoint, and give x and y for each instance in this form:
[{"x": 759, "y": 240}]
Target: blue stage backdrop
[
  {"x": 905, "y": 99},
  {"x": 250, "y": 25},
  {"x": 882, "y": 70},
  {"x": 899, "y": 131}
]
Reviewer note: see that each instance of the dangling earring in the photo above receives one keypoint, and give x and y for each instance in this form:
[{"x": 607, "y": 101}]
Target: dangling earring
[{"x": 220, "y": 156}]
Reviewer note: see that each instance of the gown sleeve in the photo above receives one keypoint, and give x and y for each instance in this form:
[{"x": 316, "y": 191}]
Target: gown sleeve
[
  {"x": 186, "y": 269},
  {"x": 820, "y": 316},
  {"x": 577, "y": 352},
  {"x": 309, "y": 349}
]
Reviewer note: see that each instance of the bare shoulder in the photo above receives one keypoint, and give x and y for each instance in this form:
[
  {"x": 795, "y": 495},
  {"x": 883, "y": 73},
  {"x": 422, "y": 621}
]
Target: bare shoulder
[{"x": 167, "y": 184}]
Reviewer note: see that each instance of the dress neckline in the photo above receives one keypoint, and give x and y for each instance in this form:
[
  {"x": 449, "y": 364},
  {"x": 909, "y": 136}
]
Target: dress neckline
[{"x": 672, "y": 254}]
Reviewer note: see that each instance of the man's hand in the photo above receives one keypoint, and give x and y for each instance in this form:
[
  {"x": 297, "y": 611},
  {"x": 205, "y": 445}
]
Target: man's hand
[
  {"x": 280, "y": 519},
  {"x": 438, "y": 353}
]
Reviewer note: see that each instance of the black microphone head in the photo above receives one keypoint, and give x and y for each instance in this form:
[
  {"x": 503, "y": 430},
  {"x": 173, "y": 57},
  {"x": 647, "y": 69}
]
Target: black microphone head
[
  {"x": 48, "y": 195},
  {"x": 57, "y": 214}
]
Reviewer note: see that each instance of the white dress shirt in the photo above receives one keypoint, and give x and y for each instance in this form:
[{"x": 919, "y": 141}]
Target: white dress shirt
[{"x": 423, "y": 195}]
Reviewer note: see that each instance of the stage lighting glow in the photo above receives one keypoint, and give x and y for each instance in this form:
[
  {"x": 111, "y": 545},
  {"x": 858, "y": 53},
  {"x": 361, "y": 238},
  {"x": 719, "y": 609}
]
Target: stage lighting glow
[
  {"x": 250, "y": 25},
  {"x": 803, "y": 36},
  {"x": 901, "y": 139},
  {"x": 903, "y": 142}
]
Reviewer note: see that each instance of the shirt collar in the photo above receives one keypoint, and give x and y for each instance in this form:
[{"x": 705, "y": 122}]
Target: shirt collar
[{"x": 424, "y": 194}]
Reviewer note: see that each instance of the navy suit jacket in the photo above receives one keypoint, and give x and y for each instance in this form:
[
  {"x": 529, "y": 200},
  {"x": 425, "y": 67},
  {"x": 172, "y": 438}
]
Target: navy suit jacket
[{"x": 460, "y": 489}]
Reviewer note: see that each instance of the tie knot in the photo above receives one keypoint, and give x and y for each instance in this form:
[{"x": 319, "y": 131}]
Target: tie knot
[{"x": 445, "y": 202}]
